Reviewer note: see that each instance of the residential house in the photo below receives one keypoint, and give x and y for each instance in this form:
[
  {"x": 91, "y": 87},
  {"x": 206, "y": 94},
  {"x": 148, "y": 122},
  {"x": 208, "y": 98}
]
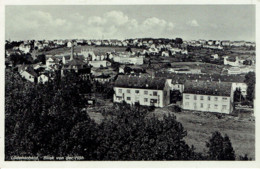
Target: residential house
[
  {"x": 208, "y": 96},
  {"x": 100, "y": 63},
  {"x": 128, "y": 59},
  {"x": 233, "y": 61},
  {"x": 28, "y": 73},
  {"x": 225, "y": 43},
  {"x": 25, "y": 48},
  {"x": 43, "y": 78},
  {"x": 103, "y": 78},
  {"x": 147, "y": 91}
]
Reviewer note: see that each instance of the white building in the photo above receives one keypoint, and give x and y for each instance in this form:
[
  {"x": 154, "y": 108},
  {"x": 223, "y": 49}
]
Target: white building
[
  {"x": 146, "y": 91},
  {"x": 43, "y": 79},
  {"x": 28, "y": 73},
  {"x": 99, "y": 63},
  {"x": 208, "y": 96}
]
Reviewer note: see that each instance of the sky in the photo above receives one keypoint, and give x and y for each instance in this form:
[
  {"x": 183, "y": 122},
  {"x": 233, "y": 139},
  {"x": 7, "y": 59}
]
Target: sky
[{"x": 189, "y": 22}]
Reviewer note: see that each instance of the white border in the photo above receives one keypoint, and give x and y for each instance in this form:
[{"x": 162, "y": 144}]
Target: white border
[{"x": 124, "y": 164}]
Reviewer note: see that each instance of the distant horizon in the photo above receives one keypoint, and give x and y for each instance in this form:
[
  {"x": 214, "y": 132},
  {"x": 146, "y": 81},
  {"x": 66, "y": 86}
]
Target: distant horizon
[
  {"x": 128, "y": 38},
  {"x": 189, "y": 22}
]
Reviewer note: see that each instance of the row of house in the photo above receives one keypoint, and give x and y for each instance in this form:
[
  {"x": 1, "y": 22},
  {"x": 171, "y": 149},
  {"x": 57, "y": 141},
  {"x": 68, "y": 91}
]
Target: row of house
[
  {"x": 155, "y": 91},
  {"x": 218, "y": 44}
]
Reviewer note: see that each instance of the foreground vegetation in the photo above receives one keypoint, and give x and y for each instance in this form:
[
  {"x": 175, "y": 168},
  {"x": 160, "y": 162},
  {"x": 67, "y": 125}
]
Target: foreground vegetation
[{"x": 50, "y": 120}]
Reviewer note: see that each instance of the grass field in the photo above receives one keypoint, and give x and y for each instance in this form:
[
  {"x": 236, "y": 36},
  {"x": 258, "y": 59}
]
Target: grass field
[
  {"x": 199, "y": 126},
  {"x": 99, "y": 50}
]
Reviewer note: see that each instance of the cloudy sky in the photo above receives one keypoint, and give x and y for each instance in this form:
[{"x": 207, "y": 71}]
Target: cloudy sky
[{"x": 220, "y": 22}]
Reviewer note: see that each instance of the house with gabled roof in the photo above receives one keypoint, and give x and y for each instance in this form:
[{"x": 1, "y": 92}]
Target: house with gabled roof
[
  {"x": 27, "y": 72},
  {"x": 145, "y": 90},
  {"x": 208, "y": 96}
]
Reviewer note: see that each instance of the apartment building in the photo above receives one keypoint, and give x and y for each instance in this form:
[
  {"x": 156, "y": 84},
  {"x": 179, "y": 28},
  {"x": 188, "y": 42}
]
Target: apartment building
[
  {"x": 145, "y": 90},
  {"x": 208, "y": 96}
]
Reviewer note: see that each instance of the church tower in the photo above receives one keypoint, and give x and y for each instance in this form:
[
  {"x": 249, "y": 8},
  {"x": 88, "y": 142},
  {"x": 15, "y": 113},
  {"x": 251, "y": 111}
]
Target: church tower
[{"x": 72, "y": 51}]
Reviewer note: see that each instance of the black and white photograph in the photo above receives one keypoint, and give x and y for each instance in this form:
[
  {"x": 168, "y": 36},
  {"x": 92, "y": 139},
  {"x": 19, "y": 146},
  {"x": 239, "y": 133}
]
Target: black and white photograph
[{"x": 129, "y": 82}]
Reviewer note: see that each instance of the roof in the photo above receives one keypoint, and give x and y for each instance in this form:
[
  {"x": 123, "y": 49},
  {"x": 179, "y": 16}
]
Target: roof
[
  {"x": 103, "y": 76},
  {"x": 208, "y": 88},
  {"x": 145, "y": 82},
  {"x": 28, "y": 69},
  {"x": 181, "y": 78}
]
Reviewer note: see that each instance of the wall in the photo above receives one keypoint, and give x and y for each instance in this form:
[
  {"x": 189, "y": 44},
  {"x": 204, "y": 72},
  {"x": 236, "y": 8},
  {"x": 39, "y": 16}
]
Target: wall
[
  {"x": 189, "y": 103},
  {"x": 134, "y": 97},
  {"x": 27, "y": 76}
]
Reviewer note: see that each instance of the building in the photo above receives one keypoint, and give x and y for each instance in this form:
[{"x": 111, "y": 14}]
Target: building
[
  {"x": 51, "y": 62},
  {"x": 103, "y": 78},
  {"x": 129, "y": 59},
  {"x": 99, "y": 63},
  {"x": 76, "y": 65},
  {"x": 145, "y": 90},
  {"x": 208, "y": 96},
  {"x": 232, "y": 61},
  {"x": 28, "y": 73},
  {"x": 238, "y": 81},
  {"x": 225, "y": 43},
  {"x": 43, "y": 78},
  {"x": 25, "y": 48}
]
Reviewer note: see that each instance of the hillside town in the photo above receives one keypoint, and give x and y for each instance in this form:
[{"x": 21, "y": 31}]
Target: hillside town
[
  {"x": 149, "y": 72},
  {"x": 130, "y": 82}
]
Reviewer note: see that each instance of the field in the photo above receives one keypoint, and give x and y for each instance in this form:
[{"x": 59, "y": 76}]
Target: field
[
  {"x": 199, "y": 126},
  {"x": 99, "y": 50}
]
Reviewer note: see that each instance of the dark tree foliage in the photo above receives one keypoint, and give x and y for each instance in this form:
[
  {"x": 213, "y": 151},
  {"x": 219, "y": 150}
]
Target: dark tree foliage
[
  {"x": 52, "y": 119},
  {"x": 21, "y": 59},
  {"x": 130, "y": 135},
  {"x": 250, "y": 81},
  {"x": 39, "y": 118},
  {"x": 175, "y": 95},
  {"x": 238, "y": 97},
  {"x": 245, "y": 158},
  {"x": 220, "y": 148},
  {"x": 178, "y": 41}
]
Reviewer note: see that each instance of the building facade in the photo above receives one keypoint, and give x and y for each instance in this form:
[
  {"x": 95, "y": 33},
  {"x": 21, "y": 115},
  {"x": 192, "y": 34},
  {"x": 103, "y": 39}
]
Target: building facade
[
  {"x": 208, "y": 97},
  {"x": 147, "y": 92}
]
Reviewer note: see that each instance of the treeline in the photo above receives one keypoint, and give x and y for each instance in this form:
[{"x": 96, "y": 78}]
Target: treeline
[{"x": 49, "y": 120}]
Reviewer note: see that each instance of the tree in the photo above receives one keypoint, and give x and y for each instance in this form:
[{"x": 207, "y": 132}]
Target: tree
[
  {"x": 220, "y": 148},
  {"x": 250, "y": 81},
  {"x": 238, "y": 97},
  {"x": 178, "y": 41}
]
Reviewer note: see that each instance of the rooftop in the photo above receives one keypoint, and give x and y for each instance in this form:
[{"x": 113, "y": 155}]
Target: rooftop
[
  {"x": 145, "y": 82},
  {"x": 208, "y": 88}
]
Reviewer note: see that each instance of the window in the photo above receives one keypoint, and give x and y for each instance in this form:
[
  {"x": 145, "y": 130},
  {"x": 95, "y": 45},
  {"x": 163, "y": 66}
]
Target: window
[
  {"x": 153, "y": 100},
  {"x": 187, "y": 96},
  {"x": 216, "y": 98},
  {"x": 187, "y": 104},
  {"x": 201, "y": 105},
  {"x": 208, "y": 97},
  {"x": 137, "y": 91},
  {"x": 145, "y": 99},
  {"x": 195, "y": 97},
  {"x": 195, "y": 105},
  {"x": 201, "y": 97},
  {"x": 128, "y": 91},
  {"x": 128, "y": 98},
  {"x": 224, "y": 98},
  {"x": 120, "y": 90},
  {"x": 216, "y": 106},
  {"x": 224, "y": 107},
  {"x": 146, "y": 92},
  {"x": 155, "y": 93},
  {"x": 208, "y": 106}
]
